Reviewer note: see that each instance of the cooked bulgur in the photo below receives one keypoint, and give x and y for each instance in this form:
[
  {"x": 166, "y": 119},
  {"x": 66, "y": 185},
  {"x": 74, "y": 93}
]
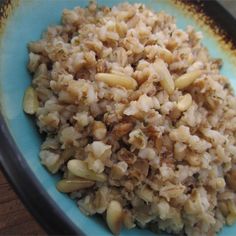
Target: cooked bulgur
[{"x": 139, "y": 121}]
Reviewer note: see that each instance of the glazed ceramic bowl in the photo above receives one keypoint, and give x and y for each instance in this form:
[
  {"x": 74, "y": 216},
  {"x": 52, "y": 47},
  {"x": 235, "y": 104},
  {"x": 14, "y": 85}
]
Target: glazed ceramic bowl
[{"x": 24, "y": 21}]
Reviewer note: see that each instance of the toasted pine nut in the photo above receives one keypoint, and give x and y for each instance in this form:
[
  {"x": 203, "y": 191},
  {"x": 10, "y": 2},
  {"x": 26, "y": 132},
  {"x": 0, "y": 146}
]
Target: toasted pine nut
[
  {"x": 71, "y": 185},
  {"x": 166, "y": 80},
  {"x": 69, "y": 175},
  {"x": 115, "y": 72},
  {"x": 117, "y": 80},
  {"x": 30, "y": 103},
  {"x": 128, "y": 219},
  {"x": 65, "y": 155},
  {"x": 184, "y": 102},
  {"x": 187, "y": 79},
  {"x": 146, "y": 194},
  {"x": 114, "y": 217},
  {"x": 166, "y": 55},
  {"x": 80, "y": 169}
]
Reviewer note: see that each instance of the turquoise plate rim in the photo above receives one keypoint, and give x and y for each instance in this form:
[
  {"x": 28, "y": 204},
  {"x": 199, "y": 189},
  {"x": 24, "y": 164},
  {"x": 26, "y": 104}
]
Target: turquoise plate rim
[{"x": 23, "y": 179}]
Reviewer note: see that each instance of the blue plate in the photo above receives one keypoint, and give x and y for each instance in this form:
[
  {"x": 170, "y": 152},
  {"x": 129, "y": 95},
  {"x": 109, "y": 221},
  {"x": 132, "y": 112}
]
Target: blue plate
[{"x": 19, "y": 138}]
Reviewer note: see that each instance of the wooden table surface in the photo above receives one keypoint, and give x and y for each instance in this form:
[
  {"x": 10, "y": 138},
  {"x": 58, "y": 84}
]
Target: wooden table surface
[{"x": 14, "y": 218}]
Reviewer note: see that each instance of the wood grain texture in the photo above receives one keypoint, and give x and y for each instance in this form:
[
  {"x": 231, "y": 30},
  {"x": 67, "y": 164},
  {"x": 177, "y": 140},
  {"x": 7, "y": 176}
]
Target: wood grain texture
[{"x": 14, "y": 218}]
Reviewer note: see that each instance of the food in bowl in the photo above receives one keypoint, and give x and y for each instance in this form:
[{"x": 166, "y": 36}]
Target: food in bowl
[{"x": 137, "y": 119}]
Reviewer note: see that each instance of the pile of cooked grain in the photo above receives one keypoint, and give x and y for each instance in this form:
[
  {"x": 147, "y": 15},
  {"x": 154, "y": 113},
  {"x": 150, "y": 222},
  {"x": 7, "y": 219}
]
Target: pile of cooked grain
[{"x": 137, "y": 118}]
